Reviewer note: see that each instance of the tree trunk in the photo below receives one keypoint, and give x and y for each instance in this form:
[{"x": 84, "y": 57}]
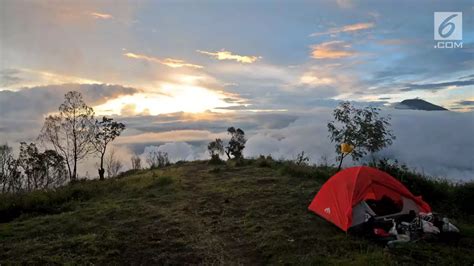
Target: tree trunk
[
  {"x": 101, "y": 169},
  {"x": 74, "y": 172},
  {"x": 340, "y": 162},
  {"x": 69, "y": 170}
]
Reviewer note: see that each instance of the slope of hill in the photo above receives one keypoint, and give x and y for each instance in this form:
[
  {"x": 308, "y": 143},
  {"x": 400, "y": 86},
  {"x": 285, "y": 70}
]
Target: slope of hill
[
  {"x": 195, "y": 213},
  {"x": 419, "y": 104}
]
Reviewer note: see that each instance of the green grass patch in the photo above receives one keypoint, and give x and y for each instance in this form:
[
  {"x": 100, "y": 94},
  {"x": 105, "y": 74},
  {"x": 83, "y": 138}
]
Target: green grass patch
[{"x": 251, "y": 213}]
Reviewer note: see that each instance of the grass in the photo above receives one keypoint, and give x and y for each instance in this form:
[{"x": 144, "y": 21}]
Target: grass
[{"x": 197, "y": 213}]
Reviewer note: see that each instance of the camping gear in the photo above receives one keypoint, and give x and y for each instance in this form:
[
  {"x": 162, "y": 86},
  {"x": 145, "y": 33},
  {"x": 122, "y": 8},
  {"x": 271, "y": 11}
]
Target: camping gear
[
  {"x": 429, "y": 228},
  {"x": 355, "y": 193},
  {"x": 449, "y": 227},
  {"x": 401, "y": 239},
  {"x": 380, "y": 232}
]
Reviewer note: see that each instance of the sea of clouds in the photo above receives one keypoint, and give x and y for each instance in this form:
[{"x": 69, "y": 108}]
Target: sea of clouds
[{"x": 439, "y": 144}]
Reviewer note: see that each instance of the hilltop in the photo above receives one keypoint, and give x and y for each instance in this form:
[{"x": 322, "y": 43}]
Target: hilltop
[
  {"x": 197, "y": 213},
  {"x": 419, "y": 104}
]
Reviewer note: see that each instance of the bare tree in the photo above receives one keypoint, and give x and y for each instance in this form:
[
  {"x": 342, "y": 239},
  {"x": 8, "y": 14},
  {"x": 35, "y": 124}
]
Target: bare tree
[
  {"x": 106, "y": 130},
  {"x": 136, "y": 162},
  {"x": 157, "y": 159},
  {"x": 70, "y": 132},
  {"x": 301, "y": 159},
  {"x": 113, "y": 164}
]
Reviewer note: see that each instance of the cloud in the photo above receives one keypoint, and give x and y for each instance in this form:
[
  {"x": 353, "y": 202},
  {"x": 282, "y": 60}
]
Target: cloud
[
  {"x": 437, "y": 144},
  {"x": 331, "y": 50},
  {"x": 438, "y": 86},
  {"x": 345, "y": 3},
  {"x": 17, "y": 78},
  {"x": 312, "y": 79},
  {"x": 9, "y": 77},
  {"x": 22, "y": 111},
  {"x": 347, "y": 28},
  {"x": 414, "y": 62},
  {"x": 98, "y": 15},
  {"x": 168, "y": 136},
  {"x": 170, "y": 62},
  {"x": 465, "y": 103},
  {"x": 177, "y": 151},
  {"x": 226, "y": 55}
]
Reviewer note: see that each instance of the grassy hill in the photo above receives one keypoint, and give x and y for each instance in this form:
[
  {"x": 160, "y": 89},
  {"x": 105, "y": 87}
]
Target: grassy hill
[{"x": 196, "y": 213}]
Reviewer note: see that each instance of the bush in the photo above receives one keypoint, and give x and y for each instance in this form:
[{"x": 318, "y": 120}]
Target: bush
[
  {"x": 238, "y": 162},
  {"x": 263, "y": 161},
  {"x": 442, "y": 195},
  {"x": 305, "y": 171},
  {"x": 464, "y": 198},
  {"x": 301, "y": 159},
  {"x": 52, "y": 201},
  {"x": 215, "y": 160}
]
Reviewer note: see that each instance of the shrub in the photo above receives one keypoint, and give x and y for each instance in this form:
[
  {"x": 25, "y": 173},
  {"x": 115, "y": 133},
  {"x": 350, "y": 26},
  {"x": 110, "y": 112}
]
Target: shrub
[
  {"x": 215, "y": 160},
  {"x": 52, "y": 201},
  {"x": 301, "y": 159},
  {"x": 238, "y": 162},
  {"x": 442, "y": 195},
  {"x": 464, "y": 198},
  {"x": 305, "y": 171},
  {"x": 263, "y": 161}
]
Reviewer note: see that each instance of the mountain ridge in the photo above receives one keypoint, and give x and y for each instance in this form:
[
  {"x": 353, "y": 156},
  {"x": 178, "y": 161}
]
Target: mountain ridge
[{"x": 418, "y": 104}]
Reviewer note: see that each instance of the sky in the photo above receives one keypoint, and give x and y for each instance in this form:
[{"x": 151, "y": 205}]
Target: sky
[{"x": 180, "y": 72}]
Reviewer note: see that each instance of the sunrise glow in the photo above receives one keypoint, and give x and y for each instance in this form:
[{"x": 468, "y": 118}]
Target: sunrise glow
[{"x": 170, "y": 98}]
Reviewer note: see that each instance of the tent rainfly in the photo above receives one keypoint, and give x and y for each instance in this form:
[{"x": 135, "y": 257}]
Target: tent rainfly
[{"x": 343, "y": 199}]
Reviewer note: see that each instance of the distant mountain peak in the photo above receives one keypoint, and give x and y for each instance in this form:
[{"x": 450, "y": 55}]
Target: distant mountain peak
[{"x": 419, "y": 104}]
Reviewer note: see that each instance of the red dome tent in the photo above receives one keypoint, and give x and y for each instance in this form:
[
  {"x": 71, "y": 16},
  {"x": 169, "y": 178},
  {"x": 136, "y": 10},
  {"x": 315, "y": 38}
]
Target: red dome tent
[{"x": 342, "y": 199}]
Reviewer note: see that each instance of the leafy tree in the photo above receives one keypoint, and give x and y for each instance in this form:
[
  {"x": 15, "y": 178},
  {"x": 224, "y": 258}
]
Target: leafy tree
[
  {"x": 41, "y": 170},
  {"x": 5, "y": 160},
  {"x": 32, "y": 170},
  {"x": 236, "y": 143},
  {"x": 9, "y": 170},
  {"x": 364, "y": 129},
  {"x": 54, "y": 169},
  {"x": 215, "y": 149},
  {"x": 28, "y": 159},
  {"x": 70, "y": 132},
  {"x": 106, "y": 130}
]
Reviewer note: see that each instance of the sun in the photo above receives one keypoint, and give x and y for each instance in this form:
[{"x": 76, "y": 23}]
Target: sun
[{"x": 169, "y": 98}]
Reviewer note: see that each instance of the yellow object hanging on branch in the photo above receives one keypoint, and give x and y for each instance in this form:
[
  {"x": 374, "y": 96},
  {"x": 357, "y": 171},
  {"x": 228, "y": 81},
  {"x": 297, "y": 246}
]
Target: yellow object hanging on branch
[{"x": 346, "y": 148}]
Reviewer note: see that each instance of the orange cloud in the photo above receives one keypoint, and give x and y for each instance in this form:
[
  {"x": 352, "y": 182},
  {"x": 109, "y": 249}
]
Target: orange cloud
[
  {"x": 346, "y": 28},
  {"x": 312, "y": 79},
  {"x": 226, "y": 55},
  {"x": 98, "y": 15},
  {"x": 331, "y": 50},
  {"x": 170, "y": 62}
]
